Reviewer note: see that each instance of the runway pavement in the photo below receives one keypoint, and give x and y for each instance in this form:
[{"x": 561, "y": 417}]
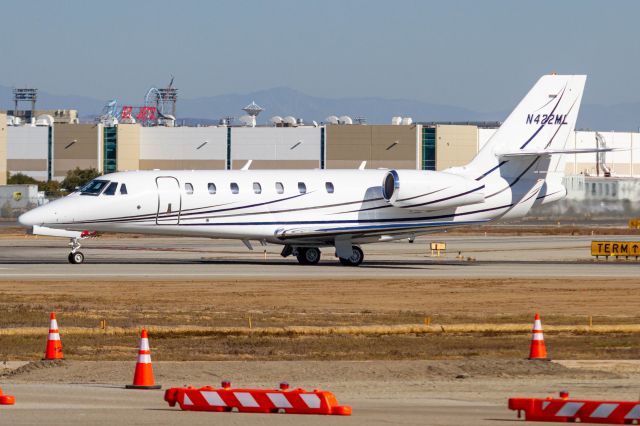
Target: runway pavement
[
  {"x": 464, "y": 402},
  {"x": 169, "y": 258}
]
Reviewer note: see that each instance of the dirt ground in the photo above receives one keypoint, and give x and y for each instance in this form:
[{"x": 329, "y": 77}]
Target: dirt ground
[{"x": 324, "y": 319}]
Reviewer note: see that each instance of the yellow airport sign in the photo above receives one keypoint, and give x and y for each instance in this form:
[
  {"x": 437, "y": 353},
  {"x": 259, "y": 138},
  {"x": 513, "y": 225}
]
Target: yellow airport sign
[
  {"x": 437, "y": 248},
  {"x": 634, "y": 223},
  {"x": 615, "y": 248}
]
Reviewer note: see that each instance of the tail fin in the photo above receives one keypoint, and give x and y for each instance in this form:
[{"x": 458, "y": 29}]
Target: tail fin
[
  {"x": 521, "y": 163},
  {"x": 542, "y": 121}
]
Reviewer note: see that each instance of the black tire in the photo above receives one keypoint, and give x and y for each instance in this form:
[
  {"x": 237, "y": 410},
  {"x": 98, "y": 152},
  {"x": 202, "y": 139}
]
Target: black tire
[
  {"x": 302, "y": 256},
  {"x": 312, "y": 256},
  {"x": 355, "y": 259},
  {"x": 76, "y": 258}
]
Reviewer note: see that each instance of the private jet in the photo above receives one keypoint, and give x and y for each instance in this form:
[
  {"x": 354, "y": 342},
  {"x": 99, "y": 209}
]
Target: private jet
[{"x": 307, "y": 211}]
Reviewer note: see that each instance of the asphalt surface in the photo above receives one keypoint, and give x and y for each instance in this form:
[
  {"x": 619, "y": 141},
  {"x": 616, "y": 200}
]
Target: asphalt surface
[
  {"x": 460, "y": 402},
  {"x": 192, "y": 258},
  {"x": 443, "y": 403}
]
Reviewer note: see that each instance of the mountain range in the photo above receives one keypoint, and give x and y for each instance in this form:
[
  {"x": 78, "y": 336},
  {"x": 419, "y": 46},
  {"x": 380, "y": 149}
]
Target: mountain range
[{"x": 285, "y": 101}]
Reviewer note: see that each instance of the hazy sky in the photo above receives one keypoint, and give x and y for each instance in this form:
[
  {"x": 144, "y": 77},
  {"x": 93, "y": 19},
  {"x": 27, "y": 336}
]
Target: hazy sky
[{"x": 483, "y": 55}]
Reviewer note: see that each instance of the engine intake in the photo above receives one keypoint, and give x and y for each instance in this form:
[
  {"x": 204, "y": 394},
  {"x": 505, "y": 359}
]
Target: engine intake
[{"x": 429, "y": 190}]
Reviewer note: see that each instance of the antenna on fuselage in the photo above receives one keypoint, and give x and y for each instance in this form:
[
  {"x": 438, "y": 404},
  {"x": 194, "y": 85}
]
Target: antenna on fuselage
[
  {"x": 362, "y": 165},
  {"x": 247, "y": 165}
]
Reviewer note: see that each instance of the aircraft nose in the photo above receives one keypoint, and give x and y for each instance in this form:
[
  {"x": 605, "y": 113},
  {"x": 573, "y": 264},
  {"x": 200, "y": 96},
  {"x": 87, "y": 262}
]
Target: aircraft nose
[{"x": 30, "y": 218}]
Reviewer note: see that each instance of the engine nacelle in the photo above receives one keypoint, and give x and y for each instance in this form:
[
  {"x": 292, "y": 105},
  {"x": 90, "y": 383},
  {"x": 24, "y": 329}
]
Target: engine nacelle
[
  {"x": 428, "y": 190},
  {"x": 552, "y": 192}
]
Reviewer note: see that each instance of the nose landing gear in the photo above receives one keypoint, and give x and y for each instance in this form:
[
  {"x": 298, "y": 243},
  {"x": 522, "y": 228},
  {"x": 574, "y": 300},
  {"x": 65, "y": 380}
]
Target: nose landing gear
[{"x": 76, "y": 257}]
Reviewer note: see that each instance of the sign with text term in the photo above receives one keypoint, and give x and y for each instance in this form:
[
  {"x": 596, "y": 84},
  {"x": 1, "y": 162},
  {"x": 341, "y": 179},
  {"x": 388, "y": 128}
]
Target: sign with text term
[{"x": 615, "y": 248}]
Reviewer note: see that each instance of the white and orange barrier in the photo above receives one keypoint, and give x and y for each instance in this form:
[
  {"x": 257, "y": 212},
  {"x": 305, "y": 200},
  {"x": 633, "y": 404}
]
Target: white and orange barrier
[
  {"x": 283, "y": 400},
  {"x": 568, "y": 410},
  {"x": 7, "y": 399}
]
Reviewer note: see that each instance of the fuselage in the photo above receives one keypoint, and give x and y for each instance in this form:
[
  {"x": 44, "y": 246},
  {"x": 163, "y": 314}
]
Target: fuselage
[{"x": 252, "y": 205}]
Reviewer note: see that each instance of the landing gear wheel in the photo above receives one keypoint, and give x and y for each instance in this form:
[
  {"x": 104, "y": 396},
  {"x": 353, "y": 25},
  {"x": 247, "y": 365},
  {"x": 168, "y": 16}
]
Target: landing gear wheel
[
  {"x": 355, "y": 259},
  {"x": 308, "y": 256},
  {"x": 76, "y": 258}
]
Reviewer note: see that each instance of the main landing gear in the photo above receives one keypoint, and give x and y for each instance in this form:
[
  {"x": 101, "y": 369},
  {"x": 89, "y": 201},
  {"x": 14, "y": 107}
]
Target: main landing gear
[
  {"x": 311, "y": 255},
  {"x": 356, "y": 258},
  {"x": 308, "y": 255}
]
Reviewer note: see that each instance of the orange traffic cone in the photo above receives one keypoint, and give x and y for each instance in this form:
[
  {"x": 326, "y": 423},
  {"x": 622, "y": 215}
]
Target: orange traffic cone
[
  {"x": 54, "y": 345},
  {"x": 538, "y": 349},
  {"x": 7, "y": 399},
  {"x": 143, "y": 377}
]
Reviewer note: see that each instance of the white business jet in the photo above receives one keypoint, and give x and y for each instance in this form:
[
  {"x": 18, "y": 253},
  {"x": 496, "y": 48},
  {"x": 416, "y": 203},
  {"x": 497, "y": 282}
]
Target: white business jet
[{"x": 305, "y": 210}]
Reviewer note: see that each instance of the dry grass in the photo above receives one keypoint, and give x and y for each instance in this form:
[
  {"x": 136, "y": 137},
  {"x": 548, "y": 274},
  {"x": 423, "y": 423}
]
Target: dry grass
[
  {"x": 298, "y": 331},
  {"x": 364, "y": 319},
  {"x": 171, "y": 347}
]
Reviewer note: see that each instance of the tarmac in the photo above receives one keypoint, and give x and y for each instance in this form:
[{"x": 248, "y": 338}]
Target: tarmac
[
  {"x": 460, "y": 401},
  {"x": 377, "y": 397},
  {"x": 32, "y": 258}
]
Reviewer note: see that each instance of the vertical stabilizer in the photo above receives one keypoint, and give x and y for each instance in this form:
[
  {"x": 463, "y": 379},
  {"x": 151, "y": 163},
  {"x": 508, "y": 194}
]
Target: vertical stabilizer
[{"x": 543, "y": 120}]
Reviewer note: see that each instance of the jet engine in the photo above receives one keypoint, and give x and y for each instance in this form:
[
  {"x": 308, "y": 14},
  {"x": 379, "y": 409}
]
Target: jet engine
[
  {"x": 552, "y": 192},
  {"x": 428, "y": 190}
]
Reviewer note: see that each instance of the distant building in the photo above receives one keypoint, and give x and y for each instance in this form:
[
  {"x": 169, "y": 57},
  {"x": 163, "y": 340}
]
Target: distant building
[
  {"x": 66, "y": 116},
  {"x": 16, "y": 199},
  {"x": 3, "y": 149}
]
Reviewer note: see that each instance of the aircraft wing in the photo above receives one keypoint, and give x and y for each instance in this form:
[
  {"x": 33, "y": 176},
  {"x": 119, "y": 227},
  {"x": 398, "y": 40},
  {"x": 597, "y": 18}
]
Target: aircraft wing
[{"x": 325, "y": 233}]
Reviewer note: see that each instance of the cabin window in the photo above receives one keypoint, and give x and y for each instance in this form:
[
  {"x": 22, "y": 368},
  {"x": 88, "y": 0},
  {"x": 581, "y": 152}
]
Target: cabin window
[
  {"x": 279, "y": 188},
  {"x": 211, "y": 187},
  {"x": 329, "y": 187},
  {"x": 111, "y": 189},
  {"x": 302, "y": 187},
  {"x": 234, "y": 188},
  {"x": 123, "y": 189},
  {"x": 188, "y": 188},
  {"x": 257, "y": 188}
]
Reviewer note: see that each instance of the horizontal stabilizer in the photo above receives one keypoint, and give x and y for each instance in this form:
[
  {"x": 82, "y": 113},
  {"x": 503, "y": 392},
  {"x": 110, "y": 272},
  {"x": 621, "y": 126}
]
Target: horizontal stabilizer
[{"x": 529, "y": 153}]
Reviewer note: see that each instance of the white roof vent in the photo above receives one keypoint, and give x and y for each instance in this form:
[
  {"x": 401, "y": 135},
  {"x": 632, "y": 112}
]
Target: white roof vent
[
  {"x": 345, "y": 119},
  {"x": 44, "y": 120},
  {"x": 290, "y": 120},
  {"x": 332, "y": 119}
]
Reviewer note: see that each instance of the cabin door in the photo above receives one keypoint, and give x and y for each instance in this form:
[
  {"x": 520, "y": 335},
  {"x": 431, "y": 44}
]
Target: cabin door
[{"x": 169, "y": 200}]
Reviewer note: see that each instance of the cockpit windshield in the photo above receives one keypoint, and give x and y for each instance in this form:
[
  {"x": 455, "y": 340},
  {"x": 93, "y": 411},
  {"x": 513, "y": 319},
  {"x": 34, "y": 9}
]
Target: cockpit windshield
[{"x": 94, "y": 187}]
